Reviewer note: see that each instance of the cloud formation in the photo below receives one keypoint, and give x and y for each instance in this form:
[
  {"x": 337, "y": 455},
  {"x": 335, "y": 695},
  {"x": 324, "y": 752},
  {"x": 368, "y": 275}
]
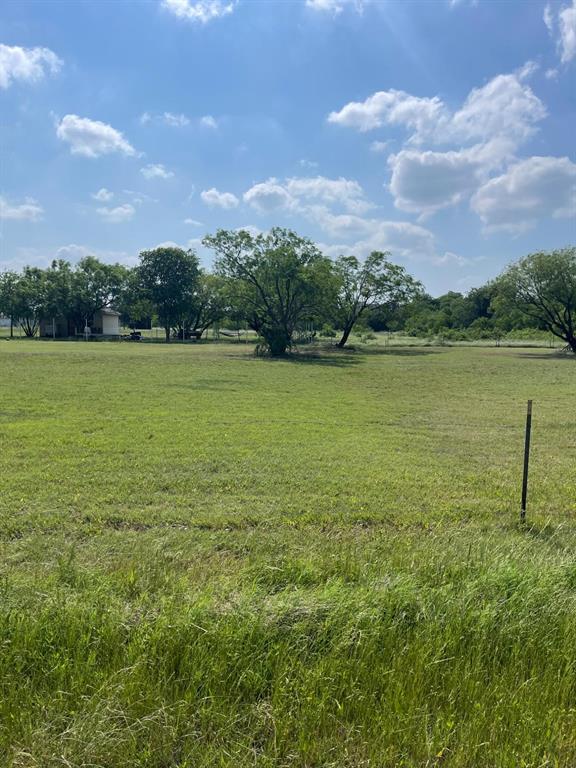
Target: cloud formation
[
  {"x": 103, "y": 195},
  {"x": 29, "y": 210},
  {"x": 529, "y": 190},
  {"x": 199, "y": 11},
  {"x": 117, "y": 215},
  {"x": 156, "y": 171},
  {"x": 27, "y": 65},
  {"x": 224, "y": 200},
  {"x": 561, "y": 23},
  {"x": 92, "y": 138}
]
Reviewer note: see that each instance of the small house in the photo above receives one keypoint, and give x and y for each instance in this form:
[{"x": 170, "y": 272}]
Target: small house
[{"x": 105, "y": 323}]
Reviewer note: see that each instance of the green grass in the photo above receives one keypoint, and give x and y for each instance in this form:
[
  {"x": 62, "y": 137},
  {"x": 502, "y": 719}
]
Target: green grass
[{"x": 210, "y": 559}]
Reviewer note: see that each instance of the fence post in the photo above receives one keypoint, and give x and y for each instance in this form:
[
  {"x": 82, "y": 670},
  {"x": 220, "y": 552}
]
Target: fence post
[{"x": 526, "y": 461}]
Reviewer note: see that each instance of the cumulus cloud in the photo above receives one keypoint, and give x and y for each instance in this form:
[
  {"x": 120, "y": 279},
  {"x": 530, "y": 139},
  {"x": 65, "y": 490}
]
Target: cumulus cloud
[
  {"x": 26, "y": 64},
  {"x": 561, "y": 23},
  {"x": 199, "y": 11},
  {"x": 506, "y": 106},
  {"x": 156, "y": 171},
  {"x": 92, "y": 138},
  {"x": 405, "y": 240},
  {"x": 29, "y": 210},
  {"x": 103, "y": 195},
  {"x": 426, "y": 181},
  {"x": 527, "y": 191},
  {"x": 298, "y": 194},
  {"x": 224, "y": 200},
  {"x": 116, "y": 215}
]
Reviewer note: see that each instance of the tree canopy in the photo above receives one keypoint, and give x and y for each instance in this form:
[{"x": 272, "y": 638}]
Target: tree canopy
[
  {"x": 543, "y": 286},
  {"x": 277, "y": 280},
  {"x": 362, "y": 285}
]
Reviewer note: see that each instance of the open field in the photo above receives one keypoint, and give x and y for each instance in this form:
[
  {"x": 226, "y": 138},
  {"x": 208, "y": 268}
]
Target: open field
[{"x": 211, "y": 559}]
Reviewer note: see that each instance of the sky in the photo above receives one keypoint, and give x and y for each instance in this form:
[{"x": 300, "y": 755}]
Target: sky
[{"x": 442, "y": 131}]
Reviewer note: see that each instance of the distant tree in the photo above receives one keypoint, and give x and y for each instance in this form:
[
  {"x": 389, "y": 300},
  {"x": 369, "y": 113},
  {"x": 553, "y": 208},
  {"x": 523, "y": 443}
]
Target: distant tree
[
  {"x": 276, "y": 281},
  {"x": 94, "y": 286},
  {"x": 362, "y": 285},
  {"x": 58, "y": 290},
  {"x": 543, "y": 286},
  {"x": 30, "y": 299},
  {"x": 8, "y": 299},
  {"x": 169, "y": 277},
  {"x": 208, "y": 304},
  {"x": 134, "y": 302}
]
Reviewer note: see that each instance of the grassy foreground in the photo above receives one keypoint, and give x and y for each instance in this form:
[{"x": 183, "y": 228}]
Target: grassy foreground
[{"x": 209, "y": 559}]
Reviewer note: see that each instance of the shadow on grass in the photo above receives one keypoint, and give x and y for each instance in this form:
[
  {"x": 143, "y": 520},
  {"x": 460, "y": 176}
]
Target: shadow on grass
[{"x": 552, "y": 354}]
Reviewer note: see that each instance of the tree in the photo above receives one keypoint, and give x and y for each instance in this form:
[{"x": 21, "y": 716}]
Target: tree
[
  {"x": 374, "y": 282},
  {"x": 30, "y": 299},
  {"x": 169, "y": 276},
  {"x": 276, "y": 280},
  {"x": 208, "y": 304},
  {"x": 8, "y": 286},
  {"x": 543, "y": 285},
  {"x": 94, "y": 286}
]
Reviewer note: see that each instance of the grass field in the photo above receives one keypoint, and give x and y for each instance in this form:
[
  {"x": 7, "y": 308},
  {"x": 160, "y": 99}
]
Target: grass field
[{"x": 215, "y": 560}]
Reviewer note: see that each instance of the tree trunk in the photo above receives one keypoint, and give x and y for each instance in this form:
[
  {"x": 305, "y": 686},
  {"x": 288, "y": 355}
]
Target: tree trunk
[
  {"x": 11, "y": 327},
  {"x": 572, "y": 343},
  {"x": 345, "y": 335},
  {"x": 278, "y": 341},
  {"x": 167, "y": 332}
]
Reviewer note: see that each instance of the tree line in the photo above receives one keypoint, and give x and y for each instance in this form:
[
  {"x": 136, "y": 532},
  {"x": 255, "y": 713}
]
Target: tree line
[{"x": 278, "y": 283}]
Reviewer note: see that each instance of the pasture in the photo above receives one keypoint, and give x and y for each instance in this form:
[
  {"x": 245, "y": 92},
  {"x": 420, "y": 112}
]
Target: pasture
[{"x": 210, "y": 559}]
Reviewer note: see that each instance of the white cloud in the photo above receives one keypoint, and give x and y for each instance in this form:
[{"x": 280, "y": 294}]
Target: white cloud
[
  {"x": 224, "y": 200},
  {"x": 92, "y": 138},
  {"x": 175, "y": 120},
  {"x": 529, "y": 190},
  {"x": 199, "y": 11},
  {"x": 168, "y": 118},
  {"x": 117, "y": 215},
  {"x": 391, "y": 108},
  {"x": 404, "y": 240},
  {"x": 207, "y": 121},
  {"x": 506, "y": 107},
  {"x": 549, "y": 18},
  {"x": 562, "y": 26},
  {"x": 193, "y": 222},
  {"x": 29, "y": 210},
  {"x": 425, "y": 182},
  {"x": 268, "y": 196},
  {"x": 26, "y": 64},
  {"x": 567, "y": 22},
  {"x": 103, "y": 195},
  {"x": 156, "y": 171},
  {"x": 299, "y": 194}
]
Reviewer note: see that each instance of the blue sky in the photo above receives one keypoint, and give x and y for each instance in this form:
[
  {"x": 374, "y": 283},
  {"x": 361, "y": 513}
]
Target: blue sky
[{"x": 441, "y": 131}]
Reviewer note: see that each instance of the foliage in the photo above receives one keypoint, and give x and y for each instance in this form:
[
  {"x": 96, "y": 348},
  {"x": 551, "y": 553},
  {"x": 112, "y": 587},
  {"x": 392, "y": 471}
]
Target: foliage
[
  {"x": 543, "y": 287},
  {"x": 276, "y": 281},
  {"x": 169, "y": 278},
  {"x": 362, "y": 285}
]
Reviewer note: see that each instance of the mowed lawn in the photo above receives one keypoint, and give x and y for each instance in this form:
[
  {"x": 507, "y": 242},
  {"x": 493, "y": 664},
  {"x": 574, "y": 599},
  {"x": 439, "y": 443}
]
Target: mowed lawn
[{"x": 213, "y": 559}]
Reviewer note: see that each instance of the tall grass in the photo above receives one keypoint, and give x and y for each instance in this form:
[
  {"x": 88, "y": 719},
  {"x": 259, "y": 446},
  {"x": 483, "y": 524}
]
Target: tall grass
[{"x": 335, "y": 579}]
